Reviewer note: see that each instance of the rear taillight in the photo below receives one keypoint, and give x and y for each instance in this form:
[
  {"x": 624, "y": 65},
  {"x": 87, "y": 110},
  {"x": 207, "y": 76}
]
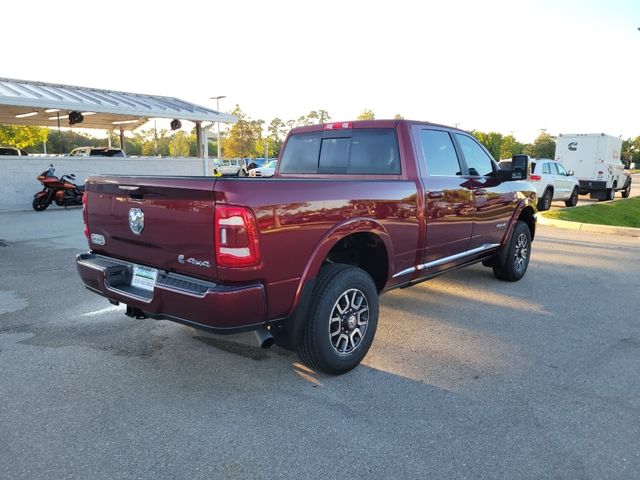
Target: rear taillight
[
  {"x": 236, "y": 237},
  {"x": 338, "y": 126},
  {"x": 535, "y": 177},
  {"x": 85, "y": 216}
]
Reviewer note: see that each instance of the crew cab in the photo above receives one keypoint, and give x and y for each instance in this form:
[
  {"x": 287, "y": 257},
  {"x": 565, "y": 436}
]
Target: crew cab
[{"x": 354, "y": 209}]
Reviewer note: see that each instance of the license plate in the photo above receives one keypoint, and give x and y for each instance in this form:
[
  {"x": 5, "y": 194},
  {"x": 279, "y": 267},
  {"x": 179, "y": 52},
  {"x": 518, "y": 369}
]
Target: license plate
[{"x": 144, "y": 277}]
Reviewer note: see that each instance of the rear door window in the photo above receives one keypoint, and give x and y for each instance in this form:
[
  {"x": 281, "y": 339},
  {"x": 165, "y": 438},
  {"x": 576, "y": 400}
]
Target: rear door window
[{"x": 366, "y": 151}]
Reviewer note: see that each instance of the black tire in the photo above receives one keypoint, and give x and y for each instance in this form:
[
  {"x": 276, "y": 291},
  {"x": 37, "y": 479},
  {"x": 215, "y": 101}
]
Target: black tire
[
  {"x": 611, "y": 192},
  {"x": 573, "y": 199},
  {"x": 545, "y": 200},
  {"x": 317, "y": 346},
  {"x": 627, "y": 191},
  {"x": 512, "y": 259},
  {"x": 40, "y": 203}
]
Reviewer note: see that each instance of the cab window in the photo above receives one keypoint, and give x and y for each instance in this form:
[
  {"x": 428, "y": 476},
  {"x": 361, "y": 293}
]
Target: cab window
[
  {"x": 478, "y": 161},
  {"x": 439, "y": 153}
]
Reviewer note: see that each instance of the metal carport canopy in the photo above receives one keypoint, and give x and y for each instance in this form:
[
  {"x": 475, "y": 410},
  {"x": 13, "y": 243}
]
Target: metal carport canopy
[{"x": 37, "y": 103}]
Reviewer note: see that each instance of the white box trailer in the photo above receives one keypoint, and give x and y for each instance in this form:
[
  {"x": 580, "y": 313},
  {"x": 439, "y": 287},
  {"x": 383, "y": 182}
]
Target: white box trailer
[{"x": 595, "y": 160}]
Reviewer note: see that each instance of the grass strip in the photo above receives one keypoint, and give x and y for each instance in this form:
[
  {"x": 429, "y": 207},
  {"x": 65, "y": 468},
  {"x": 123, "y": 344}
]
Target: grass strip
[{"x": 622, "y": 213}]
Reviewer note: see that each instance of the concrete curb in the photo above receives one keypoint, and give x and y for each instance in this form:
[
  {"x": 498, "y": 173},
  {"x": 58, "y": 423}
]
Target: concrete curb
[{"x": 589, "y": 227}]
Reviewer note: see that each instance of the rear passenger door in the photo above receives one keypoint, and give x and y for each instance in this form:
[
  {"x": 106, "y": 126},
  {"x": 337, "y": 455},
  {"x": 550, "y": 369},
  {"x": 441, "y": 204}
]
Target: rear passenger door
[
  {"x": 448, "y": 197},
  {"x": 493, "y": 200}
]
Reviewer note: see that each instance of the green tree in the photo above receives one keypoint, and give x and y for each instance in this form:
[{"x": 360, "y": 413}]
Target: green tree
[
  {"x": 492, "y": 141},
  {"x": 542, "y": 147},
  {"x": 179, "y": 145},
  {"x": 244, "y": 136},
  {"x": 630, "y": 151},
  {"x": 367, "y": 115},
  {"x": 510, "y": 147},
  {"x": 22, "y": 136}
]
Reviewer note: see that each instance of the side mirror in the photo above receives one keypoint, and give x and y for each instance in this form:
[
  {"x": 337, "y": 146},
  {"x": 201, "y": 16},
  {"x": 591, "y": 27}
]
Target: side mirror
[
  {"x": 519, "y": 167},
  {"x": 570, "y": 173}
]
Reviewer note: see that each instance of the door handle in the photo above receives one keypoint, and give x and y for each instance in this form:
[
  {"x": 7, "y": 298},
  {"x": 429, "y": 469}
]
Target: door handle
[
  {"x": 435, "y": 195},
  {"x": 480, "y": 192}
]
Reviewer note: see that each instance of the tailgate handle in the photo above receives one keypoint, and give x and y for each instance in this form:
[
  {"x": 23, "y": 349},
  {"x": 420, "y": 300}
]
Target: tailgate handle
[{"x": 134, "y": 191}]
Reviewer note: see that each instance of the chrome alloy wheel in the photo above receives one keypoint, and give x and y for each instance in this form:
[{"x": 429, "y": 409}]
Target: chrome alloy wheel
[
  {"x": 521, "y": 252},
  {"x": 348, "y": 321}
]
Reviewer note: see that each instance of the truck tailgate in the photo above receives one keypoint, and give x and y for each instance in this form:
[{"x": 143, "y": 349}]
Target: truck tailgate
[{"x": 167, "y": 221}]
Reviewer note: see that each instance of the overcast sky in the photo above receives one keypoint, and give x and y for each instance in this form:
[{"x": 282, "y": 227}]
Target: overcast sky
[{"x": 509, "y": 66}]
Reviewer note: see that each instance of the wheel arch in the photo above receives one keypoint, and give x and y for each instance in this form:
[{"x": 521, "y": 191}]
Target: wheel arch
[{"x": 365, "y": 236}]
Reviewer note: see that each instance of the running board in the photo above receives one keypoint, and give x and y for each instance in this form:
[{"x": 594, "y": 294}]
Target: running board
[{"x": 442, "y": 261}]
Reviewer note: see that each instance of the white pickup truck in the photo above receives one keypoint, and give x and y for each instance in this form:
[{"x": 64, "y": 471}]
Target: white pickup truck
[{"x": 595, "y": 160}]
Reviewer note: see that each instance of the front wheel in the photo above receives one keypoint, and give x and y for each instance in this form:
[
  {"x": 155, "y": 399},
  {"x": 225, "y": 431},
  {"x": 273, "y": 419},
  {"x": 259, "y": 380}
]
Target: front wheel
[
  {"x": 573, "y": 199},
  {"x": 545, "y": 200},
  {"x": 40, "y": 203},
  {"x": 512, "y": 259},
  {"x": 342, "y": 320}
]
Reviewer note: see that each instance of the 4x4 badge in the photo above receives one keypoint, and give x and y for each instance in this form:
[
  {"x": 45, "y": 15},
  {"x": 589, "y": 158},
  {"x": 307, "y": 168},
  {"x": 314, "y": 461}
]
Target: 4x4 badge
[{"x": 136, "y": 220}]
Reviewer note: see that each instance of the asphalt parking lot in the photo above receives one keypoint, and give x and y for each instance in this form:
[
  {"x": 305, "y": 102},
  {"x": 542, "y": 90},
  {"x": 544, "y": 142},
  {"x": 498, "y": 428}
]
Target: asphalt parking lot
[{"x": 468, "y": 377}]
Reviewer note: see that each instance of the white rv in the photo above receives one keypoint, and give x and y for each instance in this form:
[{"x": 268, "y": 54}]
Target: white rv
[{"x": 595, "y": 160}]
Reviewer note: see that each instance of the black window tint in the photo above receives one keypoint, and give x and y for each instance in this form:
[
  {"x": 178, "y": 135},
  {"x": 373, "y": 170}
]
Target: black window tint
[
  {"x": 439, "y": 153},
  {"x": 370, "y": 151},
  {"x": 478, "y": 162},
  {"x": 334, "y": 155},
  {"x": 301, "y": 153},
  {"x": 533, "y": 166}
]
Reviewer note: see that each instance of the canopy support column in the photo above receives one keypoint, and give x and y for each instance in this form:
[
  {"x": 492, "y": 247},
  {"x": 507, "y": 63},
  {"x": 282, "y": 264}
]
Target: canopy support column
[{"x": 122, "y": 140}]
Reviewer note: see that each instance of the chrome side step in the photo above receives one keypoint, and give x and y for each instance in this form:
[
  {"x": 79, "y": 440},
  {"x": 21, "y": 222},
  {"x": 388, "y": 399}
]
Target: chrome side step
[{"x": 442, "y": 261}]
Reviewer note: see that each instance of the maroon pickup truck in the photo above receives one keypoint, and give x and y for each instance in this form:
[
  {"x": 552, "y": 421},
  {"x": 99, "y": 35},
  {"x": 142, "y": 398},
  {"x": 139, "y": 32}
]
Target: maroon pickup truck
[{"x": 355, "y": 209}]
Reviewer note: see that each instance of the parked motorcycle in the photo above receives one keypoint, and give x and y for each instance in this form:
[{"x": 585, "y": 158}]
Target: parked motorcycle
[{"x": 63, "y": 191}]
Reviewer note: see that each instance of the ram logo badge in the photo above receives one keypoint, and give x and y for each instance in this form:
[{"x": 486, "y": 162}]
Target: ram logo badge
[{"x": 136, "y": 220}]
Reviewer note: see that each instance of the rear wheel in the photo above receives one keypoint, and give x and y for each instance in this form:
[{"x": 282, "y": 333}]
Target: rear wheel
[
  {"x": 40, "y": 203},
  {"x": 545, "y": 200},
  {"x": 512, "y": 259},
  {"x": 627, "y": 191},
  {"x": 342, "y": 320},
  {"x": 573, "y": 199},
  {"x": 611, "y": 192}
]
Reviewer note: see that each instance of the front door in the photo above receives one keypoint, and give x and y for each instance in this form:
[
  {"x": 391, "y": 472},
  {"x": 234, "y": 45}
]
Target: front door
[
  {"x": 494, "y": 201},
  {"x": 448, "y": 195}
]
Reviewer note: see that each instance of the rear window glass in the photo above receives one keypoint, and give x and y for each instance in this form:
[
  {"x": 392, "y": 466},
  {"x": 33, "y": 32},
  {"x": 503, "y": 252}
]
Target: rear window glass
[{"x": 367, "y": 151}]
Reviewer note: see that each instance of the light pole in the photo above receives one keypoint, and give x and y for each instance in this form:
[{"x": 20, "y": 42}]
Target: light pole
[{"x": 219, "y": 149}]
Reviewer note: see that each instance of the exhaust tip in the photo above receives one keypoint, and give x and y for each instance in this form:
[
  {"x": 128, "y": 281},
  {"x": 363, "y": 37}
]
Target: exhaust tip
[{"x": 264, "y": 337}]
